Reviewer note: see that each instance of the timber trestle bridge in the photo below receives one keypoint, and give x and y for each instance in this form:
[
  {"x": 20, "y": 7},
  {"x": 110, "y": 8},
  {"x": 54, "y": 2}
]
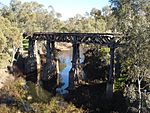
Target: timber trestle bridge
[{"x": 103, "y": 39}]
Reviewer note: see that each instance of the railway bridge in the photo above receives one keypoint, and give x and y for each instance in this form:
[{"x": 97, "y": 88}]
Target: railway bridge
[{"x": 103, "y": 39}]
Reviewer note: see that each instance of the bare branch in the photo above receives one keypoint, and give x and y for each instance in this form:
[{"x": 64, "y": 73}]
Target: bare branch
[{"x": 145, "y": 86}]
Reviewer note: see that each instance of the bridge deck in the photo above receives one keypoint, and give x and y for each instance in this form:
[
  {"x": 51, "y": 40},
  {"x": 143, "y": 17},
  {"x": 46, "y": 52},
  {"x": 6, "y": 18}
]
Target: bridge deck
[{"x": 87, "y": 38}]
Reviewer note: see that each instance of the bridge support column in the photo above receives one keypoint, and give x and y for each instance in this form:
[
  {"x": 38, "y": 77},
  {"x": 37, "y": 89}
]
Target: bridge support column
[
  {"x": 55, "y": 62},
  {"x": 31, "y": 48},
  {"x": 46, "y": 66},
  {"x": 110, "y": 83},
  {"x": 38, "y": 61},
  {"x": 49, "y": 69},
  {"x": 48, "y": 52},
  {"x": 57, "y": 72},
  {"x": 74, "y": 72},
  {"x": 118, "y": 64},
  {"x": 53, "y": 50},
  {"x": 75, "y": 56},
  {"x": 31, "y": 65}
]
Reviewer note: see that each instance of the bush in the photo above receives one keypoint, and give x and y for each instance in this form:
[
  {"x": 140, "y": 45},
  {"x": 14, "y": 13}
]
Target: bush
[{"x": 15, "y": 97}]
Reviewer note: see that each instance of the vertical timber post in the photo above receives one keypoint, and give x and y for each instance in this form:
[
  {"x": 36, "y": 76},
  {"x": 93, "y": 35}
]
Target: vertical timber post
[
  {"x": 55, "y": 62},
  {"x": 117, "y": 65},
  {"x": 57, "y": 72},
  {"x": 37, "y": 55},
  {"x": 31, "y": 67},
  {"x": 31, "y": 48},
  {"x": 48, "y": 50},
  {"x": 73, "y": 74},
  {"x": 48, "y": 61},
  {"x": 38, "y": 60},
  {"x": 78, "y": 53},
  {"x": 53, "y": 50},
  {"x": 75, "y": 55},
  {"x": 110, "y": 83},
  {"x": 77, "y": 62}
]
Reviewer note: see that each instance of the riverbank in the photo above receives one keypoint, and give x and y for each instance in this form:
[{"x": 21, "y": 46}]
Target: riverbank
[
  {"x": 15, "y": 97},
  {"x": 63, "y": 46}
]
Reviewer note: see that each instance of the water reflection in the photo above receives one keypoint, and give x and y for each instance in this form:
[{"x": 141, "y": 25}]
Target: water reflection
[
  {"x": 38, "y": 93},
  {"x": 65, "y": 66},
  {"x": 65, "y": 58}
]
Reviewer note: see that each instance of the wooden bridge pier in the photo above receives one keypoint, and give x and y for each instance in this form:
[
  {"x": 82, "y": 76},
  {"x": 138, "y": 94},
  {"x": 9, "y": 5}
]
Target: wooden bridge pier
[
  {"x": 31, "y": 64},
  {"x": 74, "y": 72},
  {"x": 48, "y": 52},
  {"x": 55, "y": 62},
  {"x": 38, "y": 61},
  {"x": 49, "y": 72},
  {"x": 117, "y": 64},
  {"x": 110, "y": 83},
  {"x": 49, "y": 69}
]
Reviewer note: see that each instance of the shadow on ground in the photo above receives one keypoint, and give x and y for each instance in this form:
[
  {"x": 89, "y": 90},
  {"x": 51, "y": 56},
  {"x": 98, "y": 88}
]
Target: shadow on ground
[{"x": 92, "y": 99}]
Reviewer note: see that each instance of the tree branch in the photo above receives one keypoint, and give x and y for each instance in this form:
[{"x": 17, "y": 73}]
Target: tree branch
[{"x": 145, "y": 86}]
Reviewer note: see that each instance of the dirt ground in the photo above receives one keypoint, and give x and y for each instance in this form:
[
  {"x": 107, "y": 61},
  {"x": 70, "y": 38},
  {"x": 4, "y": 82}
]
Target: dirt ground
[{"x": 4, "y": 77}]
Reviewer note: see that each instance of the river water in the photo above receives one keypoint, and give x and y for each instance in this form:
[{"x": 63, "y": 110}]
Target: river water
[{"x": 65, "y": 58}]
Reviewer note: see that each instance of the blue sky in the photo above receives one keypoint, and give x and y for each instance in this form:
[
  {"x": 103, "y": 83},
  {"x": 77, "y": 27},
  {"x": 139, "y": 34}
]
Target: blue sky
[{"x": 69, "y": 8}]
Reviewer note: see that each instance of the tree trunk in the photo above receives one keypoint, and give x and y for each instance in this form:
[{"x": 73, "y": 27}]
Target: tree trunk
[
  {"x": 13, "y": 55},
  {"x": 57, "y": 71},
  {"x": 140, "y": 94}
]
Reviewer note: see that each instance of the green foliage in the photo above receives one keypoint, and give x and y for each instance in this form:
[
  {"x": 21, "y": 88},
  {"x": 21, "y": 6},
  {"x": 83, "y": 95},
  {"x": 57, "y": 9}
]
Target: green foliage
[
  {"x": 120, "y": 83},
  {"x": 133, "y": 23},
  {"x": 96, "y": 60},
  {"x": 9, "y": 37},
  {"x": 5, "y": 109},
  {"x": 85, "y": 25},
  {"x": 25, "y": 44},
  {"x": 4, "y": 32}
]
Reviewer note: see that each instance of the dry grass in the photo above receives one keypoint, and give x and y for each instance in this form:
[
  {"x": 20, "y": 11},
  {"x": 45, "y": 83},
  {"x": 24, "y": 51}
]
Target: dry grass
[{"x": 5, "y": 77}]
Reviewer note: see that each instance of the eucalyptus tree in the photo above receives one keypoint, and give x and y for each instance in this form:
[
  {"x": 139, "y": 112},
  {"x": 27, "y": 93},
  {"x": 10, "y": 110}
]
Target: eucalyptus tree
[
  {"x": 99, "y": 21},
  {"x": 10, "y": 38},
  {"x": 109, "y": 19},
  {"x": 96, "y": 13},
  {"x": 133, "y": 23},
  {"x": 74, "y": 24}
]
